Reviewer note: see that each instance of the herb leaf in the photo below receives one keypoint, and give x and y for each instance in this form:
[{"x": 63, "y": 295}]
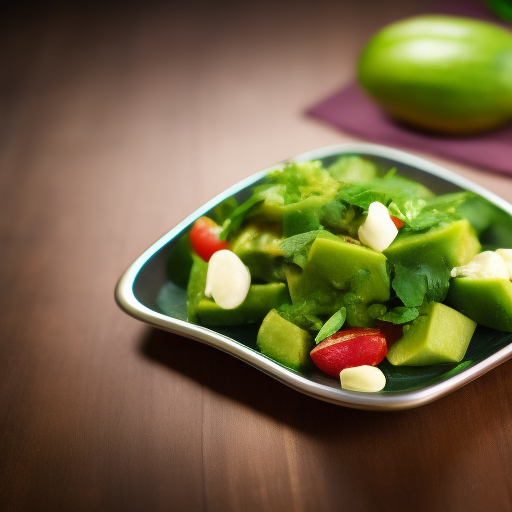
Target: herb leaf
[
  {"x": 438, "y": 280},
  {"x": 420, "y": 214},
  {"x": 296, "y": 248},
  {"x": 334, "y": 324},
  {"x": 387, "y": 190},
  {"x": 234, "y": 221},
  {"x": 410, "y": 286},
  {"x": 400, "y": 315}
]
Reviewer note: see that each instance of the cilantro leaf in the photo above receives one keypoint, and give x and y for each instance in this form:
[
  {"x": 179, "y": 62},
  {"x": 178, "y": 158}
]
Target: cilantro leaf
[
  {"x": 422, "y": 214},
  {"x": 296, "y": 248},
  {"x": 410, "y": 286},
  {"x": 438, "y": 280},
  {"x": 400, "y": 315},
  {"x": 334, "y": 324},
  {"x": 425, "y": 282},
  {"x": 301, "y": 180},
  {"x": 387, "y": 190}
]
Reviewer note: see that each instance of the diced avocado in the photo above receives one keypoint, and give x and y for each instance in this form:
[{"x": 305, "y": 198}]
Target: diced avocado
[
  {"x": 283, "y": 341},
  {"x": 486, "y": 301},
  {"x": 347, "y": 266},
  {"x": 303, "y": 216},
  {"x": 439, "y": 335},
  {"x": 302, "y": 285},
  {"x": 259, "y": 301},
  {"x": 258, "y": 246},
  {"x": 196, "y": 286},
  {"x": 453, "y": 244},
  {"x": 296, "y": 248}
]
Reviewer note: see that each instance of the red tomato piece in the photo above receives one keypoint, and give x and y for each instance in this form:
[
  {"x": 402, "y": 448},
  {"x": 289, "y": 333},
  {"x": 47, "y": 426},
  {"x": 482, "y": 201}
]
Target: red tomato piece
[
  {"x": 204, "y": 238},
  {"x": 397, "y": 222},
  {"x": 349, "y": 348},
  {"x": 392, "y": 332}
]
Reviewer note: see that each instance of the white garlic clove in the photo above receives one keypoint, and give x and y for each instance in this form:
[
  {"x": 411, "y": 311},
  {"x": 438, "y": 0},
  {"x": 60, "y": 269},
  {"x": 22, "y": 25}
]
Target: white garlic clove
[
  {"x": 486, "y": 264},
  {"x": 378, "y": 230},
  {"x": 506, "y": 256},
  {"x": 227, "y": 279},
  {"x": 369, "y": 379}
]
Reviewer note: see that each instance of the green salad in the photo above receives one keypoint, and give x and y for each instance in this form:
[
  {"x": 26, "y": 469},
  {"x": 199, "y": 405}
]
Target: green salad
[{"x": 348, "y": 267}]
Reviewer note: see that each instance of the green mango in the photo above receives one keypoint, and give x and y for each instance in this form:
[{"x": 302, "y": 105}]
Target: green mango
[
  {"x": 486, "y": 301},
  {"x": 441, "y": 73}
]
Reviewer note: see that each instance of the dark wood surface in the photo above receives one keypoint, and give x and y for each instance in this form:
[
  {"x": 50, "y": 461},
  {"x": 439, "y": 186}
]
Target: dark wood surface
[{"x": 116, "y": 123}]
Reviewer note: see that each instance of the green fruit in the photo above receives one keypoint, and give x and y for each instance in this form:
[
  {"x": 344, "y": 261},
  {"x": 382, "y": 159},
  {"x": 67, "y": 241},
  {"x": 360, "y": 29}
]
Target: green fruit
[
  {"x": 486, "y": 301},
  {"x": 454, "y": 244},
  {"x": 439, "y": 335},
  {"x": 346, "y": 266},
  {"x": 283, "y": 341},
  {"x": 258, "y": 246},
  {"x": 441, "y": 73},
  {"x": 259, "y": 301}
]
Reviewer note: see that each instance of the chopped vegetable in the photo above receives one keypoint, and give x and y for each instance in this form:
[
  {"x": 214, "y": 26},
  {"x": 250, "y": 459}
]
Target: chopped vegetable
[
  {"x": 356, "y": 262},
  {"x": 204, "y": 238},
  {"x": 334, "y": 324}
]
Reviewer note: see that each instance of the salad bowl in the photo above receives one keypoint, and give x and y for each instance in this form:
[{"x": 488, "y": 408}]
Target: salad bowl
[{"x": 145, "y": 293}]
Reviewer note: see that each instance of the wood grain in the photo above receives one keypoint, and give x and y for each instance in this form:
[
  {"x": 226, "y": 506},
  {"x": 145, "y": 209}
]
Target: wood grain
[{"x": 116, "y": 123}]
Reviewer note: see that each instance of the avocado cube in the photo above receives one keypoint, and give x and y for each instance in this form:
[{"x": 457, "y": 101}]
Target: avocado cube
[
  {"x": 303, "y": 216},
  {"x": 439, "y": 335},
  {"x": 348, "y": 266},
  {"x": 285, "y": 342},
  {"x": 453, "y": 244},
  {"x": 258, "y": 246},
  {"x": 259, "y": 301},
  {"x": 486, "y": 301}
]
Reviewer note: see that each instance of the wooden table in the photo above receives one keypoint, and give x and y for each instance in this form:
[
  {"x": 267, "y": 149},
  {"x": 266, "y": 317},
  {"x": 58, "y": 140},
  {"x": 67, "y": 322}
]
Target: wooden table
[{"x": 115, "y": 124}]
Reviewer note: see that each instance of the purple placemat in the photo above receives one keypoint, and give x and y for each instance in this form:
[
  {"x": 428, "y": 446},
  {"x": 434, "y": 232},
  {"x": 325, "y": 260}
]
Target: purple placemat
[{"x": 351, "y": 110}]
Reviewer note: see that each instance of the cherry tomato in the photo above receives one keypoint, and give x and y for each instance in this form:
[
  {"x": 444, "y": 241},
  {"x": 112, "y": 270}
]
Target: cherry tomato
[
  {"x": 397, "y": 222},
  {"x": 204, "y": 238},
  {"x": 352, "y": 347}
]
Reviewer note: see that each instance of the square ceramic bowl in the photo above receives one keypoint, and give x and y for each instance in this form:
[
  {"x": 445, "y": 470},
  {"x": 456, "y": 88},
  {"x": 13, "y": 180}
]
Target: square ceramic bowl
[{"x": 146, "y": 280}]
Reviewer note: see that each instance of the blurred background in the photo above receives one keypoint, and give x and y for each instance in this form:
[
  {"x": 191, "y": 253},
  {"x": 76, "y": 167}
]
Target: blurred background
[{"x": 117, "y": 120}]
